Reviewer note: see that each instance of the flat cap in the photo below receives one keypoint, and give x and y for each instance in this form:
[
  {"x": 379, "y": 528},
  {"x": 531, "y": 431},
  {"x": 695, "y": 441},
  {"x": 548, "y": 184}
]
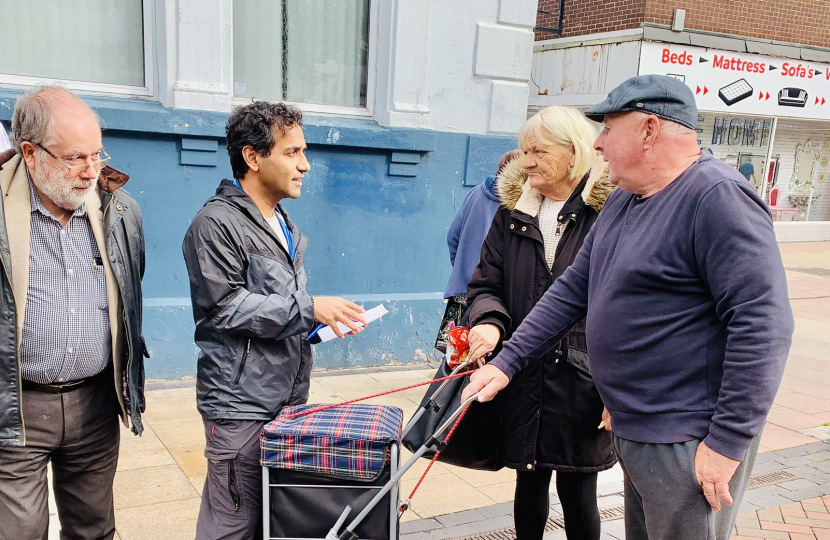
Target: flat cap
[{"x": 659, "y": 95}]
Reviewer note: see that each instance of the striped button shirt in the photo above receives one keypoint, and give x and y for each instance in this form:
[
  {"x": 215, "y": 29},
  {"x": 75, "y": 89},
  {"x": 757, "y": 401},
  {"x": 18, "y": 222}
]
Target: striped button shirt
[{"x": 66, "y": 330}]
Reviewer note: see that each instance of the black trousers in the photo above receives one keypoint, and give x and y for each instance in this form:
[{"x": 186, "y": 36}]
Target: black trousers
[
  {"x": 78, "y": 433},
  {"x": 577, "y": 494}
]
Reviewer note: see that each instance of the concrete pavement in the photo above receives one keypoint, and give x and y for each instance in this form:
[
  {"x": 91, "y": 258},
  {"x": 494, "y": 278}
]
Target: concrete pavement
[{"x": 160, "y": 475}]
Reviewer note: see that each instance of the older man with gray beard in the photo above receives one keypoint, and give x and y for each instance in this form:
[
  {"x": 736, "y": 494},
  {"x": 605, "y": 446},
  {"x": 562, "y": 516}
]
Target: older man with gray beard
[{"x": 71, "y": 350}]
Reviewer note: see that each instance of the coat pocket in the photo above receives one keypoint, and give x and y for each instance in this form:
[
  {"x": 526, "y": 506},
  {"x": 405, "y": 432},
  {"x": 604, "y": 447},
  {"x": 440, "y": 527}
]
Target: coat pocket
[{"x": 224, "y": 482}]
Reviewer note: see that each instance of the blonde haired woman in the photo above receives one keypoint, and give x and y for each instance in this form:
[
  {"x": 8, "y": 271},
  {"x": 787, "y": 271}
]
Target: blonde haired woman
[{"x": 550, "y": 199}]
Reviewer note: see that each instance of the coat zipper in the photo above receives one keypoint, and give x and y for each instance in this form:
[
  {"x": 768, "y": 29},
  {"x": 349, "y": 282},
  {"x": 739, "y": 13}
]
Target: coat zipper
[
  {"x": 242, "y": 364},
  {"x": 558, "y": 233},
  {"x": 291, "y": 262},
  {"x": 300, "y": 365}
]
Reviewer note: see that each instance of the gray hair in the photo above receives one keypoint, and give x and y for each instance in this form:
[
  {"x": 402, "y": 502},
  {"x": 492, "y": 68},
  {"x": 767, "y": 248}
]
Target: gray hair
[
  {"x": 668, "y": 128},
  {"x": 33, "y": 118}
]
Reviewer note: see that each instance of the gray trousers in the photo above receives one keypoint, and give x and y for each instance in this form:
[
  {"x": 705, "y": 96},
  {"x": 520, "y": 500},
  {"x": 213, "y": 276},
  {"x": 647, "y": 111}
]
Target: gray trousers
[
  {"x": 232, "y": 497},
  {"x": 78, "y": 433},
  {"x": 663, "y": 500}
]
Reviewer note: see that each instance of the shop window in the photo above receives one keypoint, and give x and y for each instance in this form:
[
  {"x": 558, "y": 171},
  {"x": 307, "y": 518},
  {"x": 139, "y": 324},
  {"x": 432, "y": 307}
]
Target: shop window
[
  {"x": 313, "y": 52},
  {"x": 92, "y": 45}
]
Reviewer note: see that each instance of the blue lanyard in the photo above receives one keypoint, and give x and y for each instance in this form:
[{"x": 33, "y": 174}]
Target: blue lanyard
[{"x": 289, "y": 236}]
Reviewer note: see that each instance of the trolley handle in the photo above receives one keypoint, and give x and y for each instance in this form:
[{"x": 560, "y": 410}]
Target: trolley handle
[
  {"x": 348, "y": 533},
  {"x": 456, "y": 413},
  {"x": 444, "y": 384},
  {"x": 430, "y": 402}
]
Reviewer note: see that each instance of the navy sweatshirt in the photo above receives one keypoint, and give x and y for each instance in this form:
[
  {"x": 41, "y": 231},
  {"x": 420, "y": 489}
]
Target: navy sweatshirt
[{"x": 688, "y": 319}]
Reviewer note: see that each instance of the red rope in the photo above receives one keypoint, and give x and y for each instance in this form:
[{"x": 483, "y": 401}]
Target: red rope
[
  {"x": 405, "y": 506},
  {"x": 333, "y": 405}
]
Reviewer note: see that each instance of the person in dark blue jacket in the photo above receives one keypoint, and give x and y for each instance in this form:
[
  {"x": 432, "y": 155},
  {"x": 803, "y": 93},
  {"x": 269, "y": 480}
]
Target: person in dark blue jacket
[
  {"x": 688, "y": 321},
  {"x": 464, "y": 238},
  {"x": 469, "y": 229}
]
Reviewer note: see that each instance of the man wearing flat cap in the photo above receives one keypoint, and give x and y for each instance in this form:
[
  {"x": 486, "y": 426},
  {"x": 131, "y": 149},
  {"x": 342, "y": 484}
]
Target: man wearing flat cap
[{"x": 689, "y": 325}]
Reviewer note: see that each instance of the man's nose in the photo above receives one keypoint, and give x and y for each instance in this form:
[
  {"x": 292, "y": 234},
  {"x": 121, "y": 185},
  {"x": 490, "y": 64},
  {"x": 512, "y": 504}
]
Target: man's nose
[
  {"x": 89, "y": 172},
  {"x": 304, "y": 165},
  {"x": 598, "y": 144}
]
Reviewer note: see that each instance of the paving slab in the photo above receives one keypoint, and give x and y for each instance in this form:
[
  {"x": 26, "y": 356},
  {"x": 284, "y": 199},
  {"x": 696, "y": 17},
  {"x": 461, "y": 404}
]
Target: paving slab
[
  {"x": 496, "y": 523},
  {"x": 174, "y": 520},
  {"x": 767, "y": 466},
  {"x": 180, "y": 433},
  {"x": 802, "y": 494},
  {"x": 438, "y": 496},
  {"x": 420, "y": 526},
  {"x": 763, "y": 492},
  {"x": 459, "y": 518},
  {"x": 610, "y": 488},
  {"x": 141, "y": 452},
  {"x": 795, "y": 485},
  {"x": 141, "y": 487},
  {"x": 191, "y": 460},
  {"x": 497, "y": 510},
  {"x": 502, "y": 492},
  {"x": 424, "y": 535}
]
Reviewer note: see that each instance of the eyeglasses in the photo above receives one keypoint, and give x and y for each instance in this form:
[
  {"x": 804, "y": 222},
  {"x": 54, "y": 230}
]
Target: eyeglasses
[{"x": 80, "y": 164}]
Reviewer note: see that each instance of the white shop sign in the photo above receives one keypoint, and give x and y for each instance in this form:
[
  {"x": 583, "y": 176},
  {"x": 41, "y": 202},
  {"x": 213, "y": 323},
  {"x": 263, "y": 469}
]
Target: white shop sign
[{"x": 737, "y": 83}]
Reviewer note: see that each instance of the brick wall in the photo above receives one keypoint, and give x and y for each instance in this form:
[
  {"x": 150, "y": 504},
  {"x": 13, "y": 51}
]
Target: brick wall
[
  {"x": 590, "y": 16},
  {"x": 796, "y": 21}
]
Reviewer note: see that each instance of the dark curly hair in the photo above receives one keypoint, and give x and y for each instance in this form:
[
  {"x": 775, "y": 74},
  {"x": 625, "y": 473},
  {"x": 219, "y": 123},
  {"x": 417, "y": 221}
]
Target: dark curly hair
[{"x": 252, "y": 125}]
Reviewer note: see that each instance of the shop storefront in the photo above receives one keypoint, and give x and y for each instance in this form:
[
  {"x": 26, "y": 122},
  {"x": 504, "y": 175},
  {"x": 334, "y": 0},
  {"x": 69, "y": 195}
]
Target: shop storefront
[
  {"x": 772, "y": 113},
  {"x": 767, "y": 115}
]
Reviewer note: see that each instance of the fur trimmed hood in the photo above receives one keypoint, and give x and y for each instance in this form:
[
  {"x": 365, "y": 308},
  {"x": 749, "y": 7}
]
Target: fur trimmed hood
[{"x": 516, "y": 193}]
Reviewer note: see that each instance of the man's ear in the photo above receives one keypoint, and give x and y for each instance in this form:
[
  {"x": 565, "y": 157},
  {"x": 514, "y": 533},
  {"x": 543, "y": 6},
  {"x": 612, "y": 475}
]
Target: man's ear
[
  {"x": 651, "y": 129},
  {"x": 251, "y": 157},
  {"x": 28, "y": 150}
]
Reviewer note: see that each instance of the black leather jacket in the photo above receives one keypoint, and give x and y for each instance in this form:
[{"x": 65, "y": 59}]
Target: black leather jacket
[{"x": 124, "y": 239}]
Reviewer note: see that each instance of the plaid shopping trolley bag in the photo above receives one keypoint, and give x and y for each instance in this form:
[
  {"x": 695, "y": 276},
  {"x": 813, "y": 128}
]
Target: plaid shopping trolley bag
[{"x": 326, "y": 466}]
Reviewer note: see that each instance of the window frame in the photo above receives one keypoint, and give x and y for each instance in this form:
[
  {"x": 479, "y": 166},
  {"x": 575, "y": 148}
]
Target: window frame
[
  {"x": 371, "y": 79},
  {"x": 148, "y": 90}
]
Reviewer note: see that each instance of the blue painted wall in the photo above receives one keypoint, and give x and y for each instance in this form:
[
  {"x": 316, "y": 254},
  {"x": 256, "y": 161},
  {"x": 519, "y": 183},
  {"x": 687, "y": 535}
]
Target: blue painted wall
[{"x": 375, "y": 206}]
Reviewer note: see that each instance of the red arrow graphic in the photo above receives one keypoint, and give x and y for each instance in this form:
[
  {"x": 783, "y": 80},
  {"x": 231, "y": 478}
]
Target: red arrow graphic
[
  {"x": 697, "y": 91},
  {"x": 767, "y": 95},
  {"x": 823, "y": 101},
  {"x": 705, "y": 90}
]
